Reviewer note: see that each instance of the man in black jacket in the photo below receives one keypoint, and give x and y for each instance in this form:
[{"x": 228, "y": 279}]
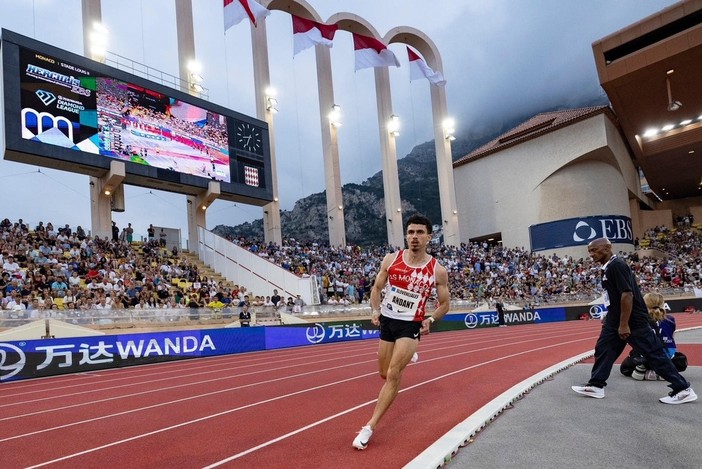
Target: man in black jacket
[{"x": 627, "y": 322}]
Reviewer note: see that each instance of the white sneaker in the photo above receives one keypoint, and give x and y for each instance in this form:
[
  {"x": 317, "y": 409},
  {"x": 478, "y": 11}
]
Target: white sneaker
[
  {"x": 361, "y": 440},
  {"x": 680, "y": 397},
  {"x": 589, "y": 390},
  {"x": 415, "y": 358}
]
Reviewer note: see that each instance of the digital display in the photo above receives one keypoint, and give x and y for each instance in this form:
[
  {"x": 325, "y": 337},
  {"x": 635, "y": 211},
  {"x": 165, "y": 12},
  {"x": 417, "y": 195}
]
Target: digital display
[
  {"x": 67, "y": 112},
  {"x": 71, "y": 107}
]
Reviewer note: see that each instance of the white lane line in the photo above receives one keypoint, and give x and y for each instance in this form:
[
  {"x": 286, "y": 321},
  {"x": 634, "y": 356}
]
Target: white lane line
[
  {"x": 208, "y": 417},
  {"x": 172, "y": 370},
  {"x": 185, "y": 399},
  {"x": 447, "y": 446},
  {"x": 437, "y": 378},
  {"x": 199, "y": 373},
  {"x": 140, "y": 383},
  {"x": 99, "y": 401},
  {"x": 201, "y": 419}
]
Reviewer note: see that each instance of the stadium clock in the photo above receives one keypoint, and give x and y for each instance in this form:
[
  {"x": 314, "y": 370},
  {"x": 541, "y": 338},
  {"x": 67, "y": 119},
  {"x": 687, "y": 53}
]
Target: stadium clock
[{"x": 249, "y": 138}]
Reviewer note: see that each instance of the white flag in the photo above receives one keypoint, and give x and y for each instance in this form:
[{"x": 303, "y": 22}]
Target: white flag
[
  {"x": 419, "y": 70},
  {"x": 370, "y": 52},
  {"x": 235, "y": 11}
]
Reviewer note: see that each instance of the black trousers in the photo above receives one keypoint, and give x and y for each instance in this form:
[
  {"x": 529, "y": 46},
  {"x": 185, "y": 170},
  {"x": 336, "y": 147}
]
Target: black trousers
[{"x": 609, "y": 346}]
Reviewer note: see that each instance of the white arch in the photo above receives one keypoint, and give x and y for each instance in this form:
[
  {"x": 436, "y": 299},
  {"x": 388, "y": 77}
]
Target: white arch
[
  {"x": 444, "y": 161},
  {"x": 391, "y": 181}
]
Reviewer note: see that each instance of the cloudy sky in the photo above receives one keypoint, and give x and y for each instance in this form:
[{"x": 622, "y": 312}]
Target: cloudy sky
[{"x": 501, "y": 58}]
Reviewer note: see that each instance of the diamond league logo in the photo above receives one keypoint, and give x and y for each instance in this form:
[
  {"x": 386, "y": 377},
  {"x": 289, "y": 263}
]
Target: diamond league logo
[
  {"x": 315, "y": 334},
  {"x": 581, "y": 232},
  {"x": 46, "y": 97},
  {"x": 12, "y": 359}
]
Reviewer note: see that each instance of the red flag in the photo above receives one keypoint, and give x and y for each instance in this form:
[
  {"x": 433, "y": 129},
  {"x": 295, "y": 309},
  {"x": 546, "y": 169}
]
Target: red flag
[
  {"x": 237, "y": 10},
  {"x": 419, "y": 69},
  {"x": 308, "y": 33},
  {"x": 370, "y": 52}
]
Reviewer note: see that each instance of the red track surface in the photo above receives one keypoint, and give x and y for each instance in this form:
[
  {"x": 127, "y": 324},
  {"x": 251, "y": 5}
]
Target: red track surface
[{"x": 288, "y": 408}]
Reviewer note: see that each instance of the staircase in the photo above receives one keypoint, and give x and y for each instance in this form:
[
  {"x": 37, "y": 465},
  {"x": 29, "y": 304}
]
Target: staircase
[{"x": 204, "y": 270}]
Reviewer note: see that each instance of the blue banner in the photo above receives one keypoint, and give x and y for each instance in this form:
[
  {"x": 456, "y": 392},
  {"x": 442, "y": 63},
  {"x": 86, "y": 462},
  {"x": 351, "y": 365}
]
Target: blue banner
[
  {"x": 46, "y": 357},
  {"x": 473, "y": 320},
  {"x": 35, "y": 358},
  {"x": 319, "y": 333},
  {"x": 580, "y": 231}
]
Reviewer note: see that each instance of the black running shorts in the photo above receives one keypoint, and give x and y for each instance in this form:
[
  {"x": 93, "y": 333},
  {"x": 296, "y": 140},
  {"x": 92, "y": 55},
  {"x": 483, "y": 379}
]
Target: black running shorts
[{"x": 393, "y": 329}]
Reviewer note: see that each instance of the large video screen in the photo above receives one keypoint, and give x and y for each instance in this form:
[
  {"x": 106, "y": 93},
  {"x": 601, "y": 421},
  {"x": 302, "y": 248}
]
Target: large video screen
[
  {"x": 71, "y": 113},
  {"x": 67, "y": 106}
]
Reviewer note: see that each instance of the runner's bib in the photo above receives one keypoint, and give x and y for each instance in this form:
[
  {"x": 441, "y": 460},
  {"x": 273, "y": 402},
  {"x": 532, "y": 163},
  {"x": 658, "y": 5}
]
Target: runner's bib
[{"x": 402, "y": 301}]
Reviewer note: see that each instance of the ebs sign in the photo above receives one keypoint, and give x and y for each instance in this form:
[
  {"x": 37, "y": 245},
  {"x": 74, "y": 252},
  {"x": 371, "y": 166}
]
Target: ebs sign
[{"x": 580, "y": 231}]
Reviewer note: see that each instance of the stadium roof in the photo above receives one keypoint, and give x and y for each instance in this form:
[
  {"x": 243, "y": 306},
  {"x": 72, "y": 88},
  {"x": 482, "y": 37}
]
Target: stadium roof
[
  {"x": 535, "y": 127},
  {"x": 652, "y": 74}
]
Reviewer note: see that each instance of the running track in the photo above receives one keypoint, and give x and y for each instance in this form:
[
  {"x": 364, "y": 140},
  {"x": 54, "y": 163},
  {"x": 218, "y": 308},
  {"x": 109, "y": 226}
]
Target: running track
[{"x": 290, "y": 408}]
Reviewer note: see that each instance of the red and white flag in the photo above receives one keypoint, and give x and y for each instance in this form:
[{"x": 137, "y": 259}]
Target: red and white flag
[
  {"x": 308, "y": 33},
  {"x": 419, "y": 70},
  {"x": 370, "y": 52},
  {"x": 251, "y": 176},
  {"x": 235, "y": 11}
]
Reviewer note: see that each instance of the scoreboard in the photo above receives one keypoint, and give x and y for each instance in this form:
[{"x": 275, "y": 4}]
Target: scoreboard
[{"x": 67, "y": 112}]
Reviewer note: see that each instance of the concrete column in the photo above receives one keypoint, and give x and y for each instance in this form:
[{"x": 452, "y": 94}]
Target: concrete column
[
  {"x": 635, "y": 211},
  {"x": 186, "y": 42},
  {"x": 101, "y": 192},
  {"x": 330, "y": 149},
  {"x": 100, "y": 204},
  {"x": 388, "y": 150},
  {"x": 197, "y": 211},
  {"x": 262, "y": 80},
  {"x": 444, "y": 166},
  {"x": 186, "y": 52}
]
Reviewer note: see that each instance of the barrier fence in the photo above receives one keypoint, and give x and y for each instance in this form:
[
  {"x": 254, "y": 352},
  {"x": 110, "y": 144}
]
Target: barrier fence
[{"x": 45, "y": 356}]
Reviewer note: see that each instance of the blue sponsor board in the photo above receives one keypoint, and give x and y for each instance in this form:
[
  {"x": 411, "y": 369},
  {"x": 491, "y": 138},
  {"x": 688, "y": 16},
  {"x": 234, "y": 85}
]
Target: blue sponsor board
[
  {"x": 580, "y": 231},
  {"x": 319, "y": 333},
  {"x": 471, "y": 320},
  {"x": 35, "y": 358}
]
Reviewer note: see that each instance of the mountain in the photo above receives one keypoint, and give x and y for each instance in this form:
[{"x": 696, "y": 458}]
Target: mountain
[{"x": 364, "y": 208}]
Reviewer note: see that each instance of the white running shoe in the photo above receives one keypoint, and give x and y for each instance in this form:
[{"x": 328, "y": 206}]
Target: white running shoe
[
  {"x": 589, "y": 390},
  {"x": 680, "y": 397},
  {"x": 361, "y": 440},
  {"x": 415, "y": 358}
]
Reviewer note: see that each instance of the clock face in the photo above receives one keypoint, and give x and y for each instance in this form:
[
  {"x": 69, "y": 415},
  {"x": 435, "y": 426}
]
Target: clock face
[{"x": 249, "y": 138}]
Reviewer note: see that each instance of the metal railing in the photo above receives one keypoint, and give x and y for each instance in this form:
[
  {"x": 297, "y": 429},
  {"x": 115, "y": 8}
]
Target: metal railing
[
  {"x": 105, "y": 319},
  {"x": 144, "y": 71}
]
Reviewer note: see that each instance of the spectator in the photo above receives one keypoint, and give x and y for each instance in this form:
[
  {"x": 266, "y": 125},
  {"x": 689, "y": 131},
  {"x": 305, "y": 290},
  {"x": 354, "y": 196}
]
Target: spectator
[
  {"x": 245, "y": 316},
  {"x": 275, "y": 298},
  {"x": 129, "y": 233},
  {"x": 298, "y": 304}
]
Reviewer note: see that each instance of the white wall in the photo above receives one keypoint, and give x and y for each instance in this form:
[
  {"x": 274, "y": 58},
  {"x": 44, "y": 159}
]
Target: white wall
[
  {"x": 579, "y": 170},
  {"x": 244, "y": 268}
]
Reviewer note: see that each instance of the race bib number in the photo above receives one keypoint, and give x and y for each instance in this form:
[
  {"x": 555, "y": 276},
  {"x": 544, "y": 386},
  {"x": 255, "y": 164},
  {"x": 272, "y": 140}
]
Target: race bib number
[{"x": 402, "y": 301}]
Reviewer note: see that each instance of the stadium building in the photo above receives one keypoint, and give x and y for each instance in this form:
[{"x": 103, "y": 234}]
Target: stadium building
[{"x": 561, "y": 179}]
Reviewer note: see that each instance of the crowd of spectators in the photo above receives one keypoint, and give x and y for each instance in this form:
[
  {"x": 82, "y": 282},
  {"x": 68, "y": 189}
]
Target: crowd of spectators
[
  {"x": 480, "y": 272},
  {"x": 72, "y": 274}
]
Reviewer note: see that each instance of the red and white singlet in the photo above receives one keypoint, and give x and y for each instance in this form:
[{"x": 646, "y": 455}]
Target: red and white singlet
[{"x": 408, "y": 289}]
